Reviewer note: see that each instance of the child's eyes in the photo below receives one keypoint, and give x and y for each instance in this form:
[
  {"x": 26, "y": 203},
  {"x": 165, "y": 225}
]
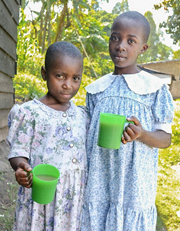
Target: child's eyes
[
  {"x": 114, "y": 38},
  {"x": 76, "y": 78},
  {"x": 60, "y": 76},
  {"x": 130, "y": 41}
]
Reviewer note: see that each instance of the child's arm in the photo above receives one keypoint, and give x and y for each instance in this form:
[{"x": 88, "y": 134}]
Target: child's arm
[
  {"x": 157, "y": 139},
  {"x": 22, "y": 169}
]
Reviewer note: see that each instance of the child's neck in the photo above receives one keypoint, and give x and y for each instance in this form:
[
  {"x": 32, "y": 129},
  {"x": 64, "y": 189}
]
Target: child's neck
[
  {"x": 126, "y": 70},
  {"x": 50, "y": 102}
]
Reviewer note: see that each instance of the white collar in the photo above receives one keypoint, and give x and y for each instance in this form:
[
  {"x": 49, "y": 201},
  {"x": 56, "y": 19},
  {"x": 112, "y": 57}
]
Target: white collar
[
  {"x": 140, "y": 83},
  {"x": 100, "y": 84}
]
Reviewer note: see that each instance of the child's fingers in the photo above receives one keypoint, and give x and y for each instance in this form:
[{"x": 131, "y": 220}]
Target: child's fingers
[
  {"x": 126, "y": 136},
  {"x": 23, "y": 177},
  {"x": 134, "y": 119},
  {"x": 129, "y": 134},
  {"x": 123, "y": 140},
  {"x": 134, "y": 130},
  {"x": 25, "y": 166}
]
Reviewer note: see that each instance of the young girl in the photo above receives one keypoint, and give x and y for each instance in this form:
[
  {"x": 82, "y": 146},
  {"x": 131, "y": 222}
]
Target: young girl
[
  {"x": 121, "y": 187},
  {"x": 51, "y": 130}
]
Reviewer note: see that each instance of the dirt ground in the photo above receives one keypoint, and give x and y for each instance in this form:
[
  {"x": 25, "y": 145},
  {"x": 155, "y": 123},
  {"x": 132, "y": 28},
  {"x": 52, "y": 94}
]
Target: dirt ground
[{"x": 9, "y": 189}]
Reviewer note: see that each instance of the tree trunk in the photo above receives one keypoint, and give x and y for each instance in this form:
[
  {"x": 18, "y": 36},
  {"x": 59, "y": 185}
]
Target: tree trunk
[
  {"x": 41, "y": 24},
  {"x": 44, "y": 32},
  {"x": 23, "y": 4},
  {"x": 60, "y": 27},
  {"x": 49, "y": 25}
]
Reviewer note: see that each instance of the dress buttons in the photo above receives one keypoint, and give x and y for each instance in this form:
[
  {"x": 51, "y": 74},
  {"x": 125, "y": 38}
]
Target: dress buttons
[
  {"x": 68, "y": 128},
  {"x": 74, "y": 160},
  {"x": 64, "y": 114},
  {"x": 71, "y": 145}
]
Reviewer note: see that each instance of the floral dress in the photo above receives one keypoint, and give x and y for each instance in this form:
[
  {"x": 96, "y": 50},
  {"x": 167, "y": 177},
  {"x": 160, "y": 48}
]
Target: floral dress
[
  {"x": 121, "y": 187},
  {"x": 44, "y": 135}
]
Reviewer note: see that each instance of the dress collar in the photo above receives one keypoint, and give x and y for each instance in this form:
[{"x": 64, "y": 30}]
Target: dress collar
[
  {"x": 100, "y": 84},
  {"x": 52, "y": 112},
  {"x": 141, "y": 83}
]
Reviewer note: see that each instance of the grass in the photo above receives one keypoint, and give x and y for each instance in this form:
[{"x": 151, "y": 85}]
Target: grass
[
  {"x": 168, "y": 190},
  {"x": 160, "y": 224},
  {"x": 7, "y": 219}
]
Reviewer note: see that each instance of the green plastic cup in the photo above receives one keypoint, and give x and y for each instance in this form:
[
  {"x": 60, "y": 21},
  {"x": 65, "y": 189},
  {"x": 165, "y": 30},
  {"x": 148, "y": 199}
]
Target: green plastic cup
[
  {"x": 111, "y": 127},
  {"x": 45, "y": 178}
]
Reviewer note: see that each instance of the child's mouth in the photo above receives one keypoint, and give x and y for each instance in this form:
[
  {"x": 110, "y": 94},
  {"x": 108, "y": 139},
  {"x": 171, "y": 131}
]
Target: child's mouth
[{"x": 120, "y": 58}]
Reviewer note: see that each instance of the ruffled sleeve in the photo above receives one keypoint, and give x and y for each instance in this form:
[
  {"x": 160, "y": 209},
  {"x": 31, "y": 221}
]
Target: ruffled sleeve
[
  {"x": 163, "y": 110},
  {"x": 20, "y": 134}
]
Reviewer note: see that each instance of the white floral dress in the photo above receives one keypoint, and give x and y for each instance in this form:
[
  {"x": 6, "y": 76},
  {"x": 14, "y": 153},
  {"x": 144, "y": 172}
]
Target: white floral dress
[
  {"x": 44, "y": 135},
  {"x": 121, "y": 187}
]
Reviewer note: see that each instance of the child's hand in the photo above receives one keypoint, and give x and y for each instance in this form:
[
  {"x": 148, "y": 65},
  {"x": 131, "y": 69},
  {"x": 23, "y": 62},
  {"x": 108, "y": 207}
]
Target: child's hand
[
  {"x": 132, "y": 131},
  {"x": 23, "y": 175}
]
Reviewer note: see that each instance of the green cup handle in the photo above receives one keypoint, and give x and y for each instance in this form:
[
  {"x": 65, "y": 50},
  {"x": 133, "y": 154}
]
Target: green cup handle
[
  {"x": 129, "y": 122},
  {"x": 29, "y": 171}
]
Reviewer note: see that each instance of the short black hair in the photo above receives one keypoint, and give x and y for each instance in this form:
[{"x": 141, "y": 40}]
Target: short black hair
[
  {"x": 61, "y": 48},
  {"x": 139, "y": 18}
]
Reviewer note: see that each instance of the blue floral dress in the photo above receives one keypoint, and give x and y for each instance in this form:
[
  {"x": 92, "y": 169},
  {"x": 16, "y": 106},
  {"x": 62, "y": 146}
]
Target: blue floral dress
[
  {"x": 121, "y": 188},
  {"x": 44, "y": 135}
]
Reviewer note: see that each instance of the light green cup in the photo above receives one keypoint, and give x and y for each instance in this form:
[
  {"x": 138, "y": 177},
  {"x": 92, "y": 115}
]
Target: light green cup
[
  {"x": 45, "y": 178},
  {"x": 111, "y": 127}
]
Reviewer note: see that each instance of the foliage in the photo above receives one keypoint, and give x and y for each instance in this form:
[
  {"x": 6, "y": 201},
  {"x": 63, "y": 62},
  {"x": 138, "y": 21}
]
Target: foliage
[
  {"x": 157, "y": 51},
  {"x": 92, "y": 42},
  {"x": 120, "y": 7},
  {"x": 29, "y": 58},
  {"x": 86, "y": 26},
  {"x": 172, "y": 24},
  {"x": 56, "y": 16},
  {"x": 176, "y": 54},
  {"x": 168, "y": 200},
  {"x": 28, "y": 86}
]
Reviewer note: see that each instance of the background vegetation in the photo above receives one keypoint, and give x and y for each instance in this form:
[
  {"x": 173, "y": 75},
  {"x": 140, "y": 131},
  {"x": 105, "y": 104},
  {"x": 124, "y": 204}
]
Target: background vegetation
[
  {"x": 87, "y": 26},
  {"x": 168, "y": 190}
]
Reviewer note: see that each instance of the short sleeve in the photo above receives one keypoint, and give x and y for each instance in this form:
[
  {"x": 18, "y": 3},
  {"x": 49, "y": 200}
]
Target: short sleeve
[
  {"x": 12, "y": 113},
  {"x": 20, "y": 134},
  {"x": 163, "y": 110}
]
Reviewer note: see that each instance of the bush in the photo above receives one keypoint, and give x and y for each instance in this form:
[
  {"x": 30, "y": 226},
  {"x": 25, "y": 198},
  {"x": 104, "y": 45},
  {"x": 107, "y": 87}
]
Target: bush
[
  {"x": 167, "y": 199},
  {"x": 28, "y": 86}
]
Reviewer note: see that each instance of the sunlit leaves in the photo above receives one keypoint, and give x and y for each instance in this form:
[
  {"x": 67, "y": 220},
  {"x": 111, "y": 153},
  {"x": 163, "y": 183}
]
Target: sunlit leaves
[
  {"x": 28, "y": 86},
  {"x": 172, "y": 25},
  {"x": 168, "y": 190}
]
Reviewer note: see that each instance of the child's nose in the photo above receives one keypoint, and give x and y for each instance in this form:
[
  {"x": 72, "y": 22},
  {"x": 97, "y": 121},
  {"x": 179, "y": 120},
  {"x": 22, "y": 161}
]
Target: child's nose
[
  {"x": 67, "y": 84},
  {"x": 121, "y": 46}
]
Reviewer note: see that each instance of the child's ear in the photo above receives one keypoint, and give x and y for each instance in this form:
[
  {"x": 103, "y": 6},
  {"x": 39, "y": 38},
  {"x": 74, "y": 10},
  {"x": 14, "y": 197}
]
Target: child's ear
[
  {"x": 43, "y": 73},
  {"x": 145, "y": 47}
]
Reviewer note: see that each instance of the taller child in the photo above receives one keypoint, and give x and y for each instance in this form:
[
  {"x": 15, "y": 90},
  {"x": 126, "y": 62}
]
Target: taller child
[
  {"x": 51, "y": 130},
  {"x": 121, "y": 187}
]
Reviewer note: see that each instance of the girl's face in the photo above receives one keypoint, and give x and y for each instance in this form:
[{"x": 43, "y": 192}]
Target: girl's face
[
  {"x": 125, "y": 45},
  {"x": 63, "y": 81}
]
